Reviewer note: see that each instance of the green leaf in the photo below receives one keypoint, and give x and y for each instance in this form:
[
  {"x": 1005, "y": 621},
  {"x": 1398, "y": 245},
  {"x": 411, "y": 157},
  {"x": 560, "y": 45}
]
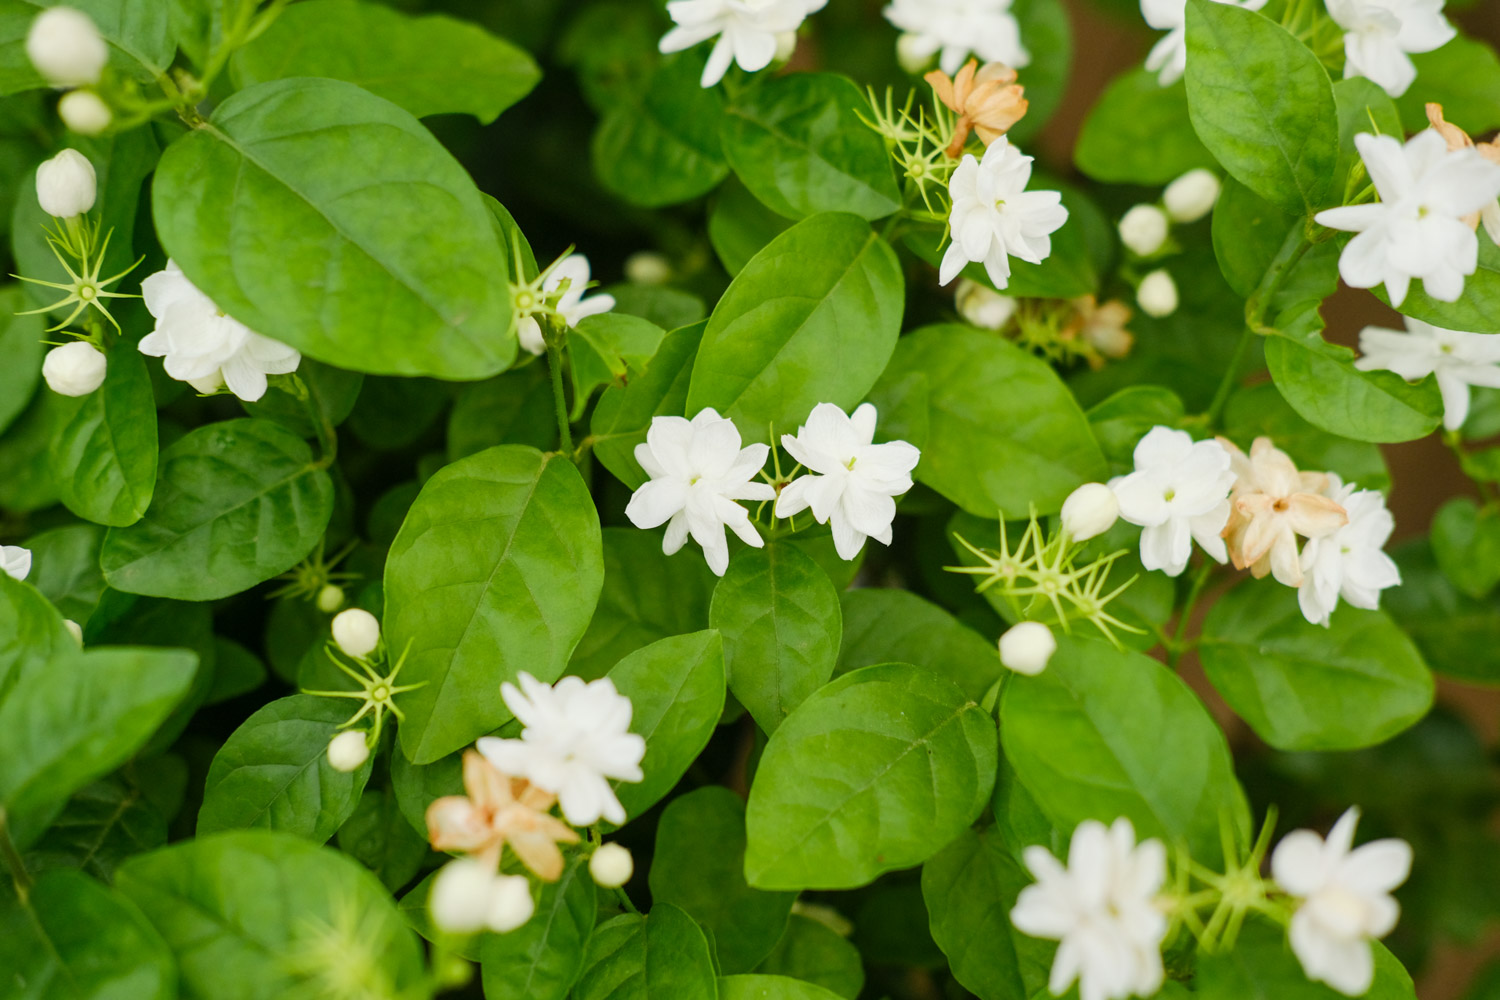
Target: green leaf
[
  {"x": 1466, "y": 542},
  {"x": 1104, "y": 733},
  {"x": 514, "y": 408},
  {"x": 1363, "y": 106},
  {"x": 1259, "y": 410},
  {"x": 392, "y": 55},
  {"x": 1003, "y": 430},
  {"x": 624, "y": 413},
  {"x": 660, "y": 146},
  {"x": 779, "y": 614},
  {"x": 103, "y": 824},
  {"x": 139, "y": 45},
  {"x": 828, "y": 288},
  {"x": 812, "y": 951},
  {"x": 700, "y": 852},
  {"x": 1262, "y": 104},
  {"x": 104, "y": 444},
  {"x": 496, "y": 570},
  {"x": 237, "y": 671},
  {"x": 273, "y": 772},
  {"x": 258, "y": 915},
  {"x": 207, "y": 534},
  {"x": 335, "y": 221},
  {"x": 543, "y": 957},
  {"x": 798, "y": 144},
  {"x": 1120, "y": 421},
  {"x": 31, "y": 633},
  {"x": 676, "y": 689},
  {"x": 897, "y": 626},
  {"x": 609, "y": 349},
  {"x": 669, "y": 308},
  {"x": 75, "y": 939},
  {"x": 1456, "y": 634},
  {"x": 1248, "y": 233},
  {"x": 1261, "y": 965},
  {"x": 1303, "y": 687},
  {"x": 739, "y": 226},
  {"x": 416, "y": 786},
  {"x": 1139, "y": 133},
  {"x": 878, "y": 770},
  {"x": 1464, "y": 77},
  {"x": 21, "y": 350},
  {"x": 79, "y": 718},
  {"x": 331, "y": 393},
  {"x": 379, "y": 837},
  {"x": 661, "y": 956},
  {"x": 25, "y": 465},
  {"x": 970, "y": 889},
  {"x": 1477, "y": 309},
  {"x": 65, "y": 568},
  {"x": 763, "y": 987}
]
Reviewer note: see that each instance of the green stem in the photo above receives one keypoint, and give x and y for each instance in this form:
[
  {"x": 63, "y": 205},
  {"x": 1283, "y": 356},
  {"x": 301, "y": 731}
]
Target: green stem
[
  {"x": 624, "y": 899},
  {"x": 1177, "y": 647},
  {"x": 13, "y": 860},
  {"x": 559, "y": 398},
  {"x": 1230, "y": 379}
]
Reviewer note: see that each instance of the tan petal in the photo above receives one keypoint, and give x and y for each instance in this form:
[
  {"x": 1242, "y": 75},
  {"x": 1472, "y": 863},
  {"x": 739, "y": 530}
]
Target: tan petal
[
  {"x": 539, "y": 853},
  {"x": 995, "y": 72},
  {"x": 1314, "y": 516},
  {"x": 963, "y": 84},
  {"x": 1455, "y": 137},
  {"x": 942, "y": 86},
  {"x": 1273, "y": 470},
  {"x": 487, "y": 787},
  {"x": 1286, "y": 566},
  {"x": 1260, "y": 534},
  {"x": 1489, "y": 150},
  {"x": 453, "y": 824}
]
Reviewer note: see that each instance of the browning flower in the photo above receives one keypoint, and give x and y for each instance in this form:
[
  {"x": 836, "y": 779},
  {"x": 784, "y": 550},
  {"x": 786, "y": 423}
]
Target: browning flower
[
  {"x": 1271, "y": 504},
  {"x": 1102, "y": 327},
  {"x": 1457, "y": 139},
  {"x": 500, "y": 810},
  {"x": 987, "y": 100}
]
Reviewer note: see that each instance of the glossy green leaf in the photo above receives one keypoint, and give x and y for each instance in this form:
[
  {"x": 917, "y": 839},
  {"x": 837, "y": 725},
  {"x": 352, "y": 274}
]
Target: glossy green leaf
[
  {"x": 739, "y": 226},
  {"x": 1363, "y": 106},
  {"x": 65, "y": 568},
  {"x": 661, "y": 955},
  {"x": 31, "y": 633},
  {"x": 1456, "y": 634},
  {"x": 206, "y": 535},
  {"x": 1466, "y": 543},
  {"x": 416, "y": 786},
  {"x": 25, "y": 464},
  {"x": 610, "y": 349},
  {"x": 331, "y": 394},
  {"x": 764, "y": 987},
  {"x": 378, "y": 835},
  {"x": 139, "y": 45},
  {"x": 392, "y": 55},
  {"x": 878, "y": 770},
  {"x": 828, "y": 288},
  {"x": 104, "y": 444},
  {"x": 624, "y": 413},
  {"x": 813, "y": 952},
  {"x": 1261, "y": 964},
  {"x": 1138, "y": 133},
  {"x": 496, "y": 570},
  {"x": 21, "y": 351},
  {"x": 896, "y": 626},
  {"x": 542, "y": 959},
  {"x": 780, "y": 618},
  {"x": 514, "y": 408},
  {"x": 1121, "y": 420},
  {"x": 1303, "y": 687},
  {"x": 322, "y": 214},
  {"x": 1249, "y": 231},
  {"x": 1259, "y": 410},
  {"x": 237, "y": 671},
  {"x": 103, "y": 824}
]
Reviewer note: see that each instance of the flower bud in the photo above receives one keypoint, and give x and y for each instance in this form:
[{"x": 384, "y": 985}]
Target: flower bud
[
  {"x": 1191, "y": 196},
  {"x": 66, "y": 48},
  {"x": 357, "y": 632},
  {"x": 75, "y": 369},
  {"x": 66, "y": 184},
  {"x": 84, "y": 112},
  {"x": 15, "y": 562},
  {"x": 348, "y": 751},
  {"x": 786, "y": 44},
  {"x": 982, "y": 306},
  {"x": 511, "y": 904},
  {"x": 461, "y": 896},
  {"x": 611, "y": 866},
  {"x": 330, "y": 598},
  {"x": 1026, "y": 648},
  {"x": 1090, "y": 510},
  {"x": 74, "y": 629},
  {"x": 1157, "y": 294},
  {"x": 1144, "y": 229},
  {"x": 912, "y": 55},
  {"x": 647, "y": 267}
]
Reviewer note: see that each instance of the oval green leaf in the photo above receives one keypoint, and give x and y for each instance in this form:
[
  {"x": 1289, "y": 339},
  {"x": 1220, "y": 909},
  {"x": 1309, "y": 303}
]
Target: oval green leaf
[
  {"x": 660, "y": 956},
  {"x": 882, "y": 625},
  {"x": 1139, "y": 133},
  {"x": 542, "y": 958},
  {"x": 104, "y": 444}
]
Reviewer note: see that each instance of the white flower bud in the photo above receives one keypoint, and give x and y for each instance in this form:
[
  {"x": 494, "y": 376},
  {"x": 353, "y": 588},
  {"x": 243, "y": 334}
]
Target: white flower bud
[
  {"x": 1157, "y": 295},
  {"x": 912, "y": 55},
  {"x": 983, "y": 306},
  {"x": 1191, "y": 196},
  {"x": 66, "y": 184},
  {"x": 66, "y": 48},
  {"x": 84, "y": 112},
  {"x": 1090, "y": 510},
  {"x": 357, "y": 632},
  {"x": 330, "y": 598},
  {"x": 75, "y": 369},
  {"x": 461, "y": 896},
  {"x": 511, "y": 904},
  {"x": 1026, "y": 648},
  {"x": 1144, "y": 229},
  {"x": 74, "y": 629},
  {"x": 786, "y": 44},
  {"x": 15, "y": 562},
  {"x": 611, "y": 866},
  {"x": 348, "y": 751},
  {"x": 647, "y": 267}
]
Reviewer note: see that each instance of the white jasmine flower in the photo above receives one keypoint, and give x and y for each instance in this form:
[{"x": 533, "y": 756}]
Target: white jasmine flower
[
  {"x": 1026, "y": 647},
  {"x": 576, "y": 736},
  {"x": 1191, "y": 196},
  {"x": 1378, "y": 34},
  {"x": 15, "y": 562},
  {"x": 469, "y": 896},
  {"x": 954, "y": 29},
  {"x": 1179, "y": 493},
  {"x": 348, "y": 750},
  {"x": 66, "y": 48},
  {"x": 1157, "y": 294},
  {"x": 1349, "y": 562},
  {"x": 1090, "y": 510},
  {"x": 1416, "y": 230},
  {"x": 995, "y": 218},
  {"x": 357, "y": 632},
  {"x": 1346, "y": 899},
  {"x": 74, "y": 369},
  {"x": 1169, "y": 54},
  {"x": 84, "y": 112},
  {"x": 698, "y": 470},
  {"x": 66, "y": 185},
  {"x": 1143, "y": 229},
  {"x": 572, "y": 306},
  {"x": 747, "y": 30},
  {"x": 855, "y": 480},
  {"x": 611, "y": 865},
  {"x": 1102, "y": 908},
  {"x": 1458, "y": 359},
  {"x": 983, "y": 306},
  {"x": 204, "y": 347}
]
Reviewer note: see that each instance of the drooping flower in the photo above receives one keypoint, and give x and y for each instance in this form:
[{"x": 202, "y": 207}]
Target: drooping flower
[
  {"x": 1169, "y": 54},
  {"x": 1102, "y": 907},
  {"x": 1178, "y": 493},
  {"x": 995, "y": 218},
  {"x": 576, "y": 737},
  {"x": 1272, "y": 504},
  {"x": 1458, "y": 360},
  {"x": 747, "y": 30},
  {"x": 853, "y": 482},
  {"x": 987, "y": 100},
  {"x": 1350, "y": 562},
  {"x": 571, "y": 306},
  {"x": 954, "y": 29},
  {"x": 500, "y": 809},
  {"x": 15, "y": 562},
  {"x": 1379, "y": 34},
  {"x": 698, "y": 471},
  {"x": 1346, "y": 901},
  {"x": 203, "y": 346},
  {"x": 1417, "y": 228}
]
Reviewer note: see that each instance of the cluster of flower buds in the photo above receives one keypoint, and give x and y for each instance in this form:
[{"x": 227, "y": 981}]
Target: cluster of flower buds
[
  {"x": 1146, "y": 232},
  {"x": 68, "y": 52},
  {"x": 1061, "y": 330}
]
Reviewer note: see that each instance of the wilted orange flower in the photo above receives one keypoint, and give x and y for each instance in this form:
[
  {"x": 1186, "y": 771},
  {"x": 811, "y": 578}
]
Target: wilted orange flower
[
  {"x": 500, "y": 810},
  {"x": 1457, "y": 139},
  {"x": 1102, "y": 327},
  {"x": 1270, "y": 505},
  {"x": 988, "y": 101}
]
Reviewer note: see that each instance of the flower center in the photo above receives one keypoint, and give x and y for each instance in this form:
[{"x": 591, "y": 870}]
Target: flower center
[
  {"x": 1169, "y": 495},
  {"x": 1281, "y": 506},
  {"x": 87, "y": 292},
  {"x": 380, "y": 692}
]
